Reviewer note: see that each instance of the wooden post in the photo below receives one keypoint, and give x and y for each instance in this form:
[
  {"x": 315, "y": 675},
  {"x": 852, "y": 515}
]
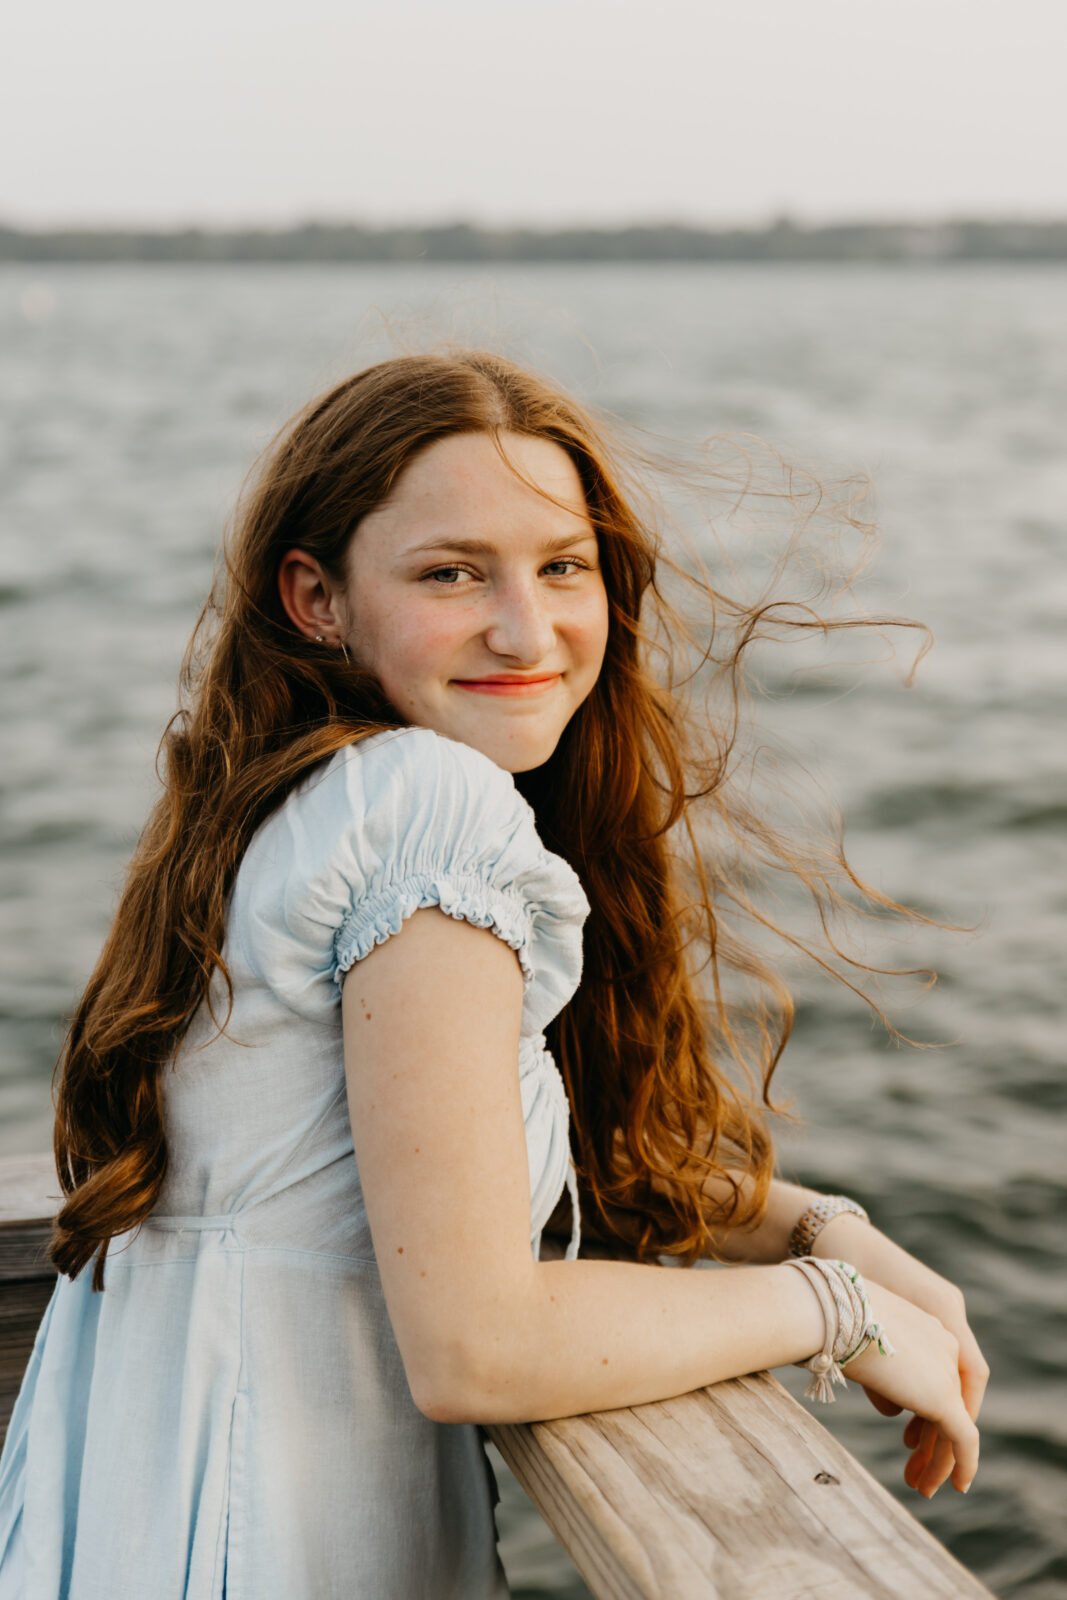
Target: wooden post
[{"x": 735, "y": 1492}]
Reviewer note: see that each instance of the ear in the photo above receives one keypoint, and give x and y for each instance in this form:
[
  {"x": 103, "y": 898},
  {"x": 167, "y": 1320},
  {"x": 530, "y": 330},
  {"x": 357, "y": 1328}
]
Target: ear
[{"x": 310, "y": 599}]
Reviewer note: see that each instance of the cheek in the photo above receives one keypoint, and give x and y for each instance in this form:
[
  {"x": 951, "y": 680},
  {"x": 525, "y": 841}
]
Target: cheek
[
  {"x": 590, "y": 632},
  {"x": 408, "y": 643}
]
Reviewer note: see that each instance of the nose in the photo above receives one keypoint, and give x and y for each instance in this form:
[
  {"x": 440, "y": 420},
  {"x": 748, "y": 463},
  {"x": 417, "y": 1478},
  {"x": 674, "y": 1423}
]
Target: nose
[{"x": 522, "y": 627}]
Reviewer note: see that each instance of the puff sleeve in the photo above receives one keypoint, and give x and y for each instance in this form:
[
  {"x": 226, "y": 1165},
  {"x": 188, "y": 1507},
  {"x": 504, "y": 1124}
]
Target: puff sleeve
[{"x": 399, "y": 821}]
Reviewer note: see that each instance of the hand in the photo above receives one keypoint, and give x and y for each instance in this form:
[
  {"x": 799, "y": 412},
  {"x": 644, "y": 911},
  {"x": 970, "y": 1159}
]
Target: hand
[
  {"x": 922, "y": 1376},
  {"x": 878, "y": 1258}
]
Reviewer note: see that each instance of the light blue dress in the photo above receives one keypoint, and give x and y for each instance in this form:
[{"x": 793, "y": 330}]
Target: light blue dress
[{"x": 230, "y": 1417}]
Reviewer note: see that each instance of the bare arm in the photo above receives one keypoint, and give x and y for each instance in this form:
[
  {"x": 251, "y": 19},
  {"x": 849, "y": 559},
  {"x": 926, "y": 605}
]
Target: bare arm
[{"x": 431, "y": 1024}]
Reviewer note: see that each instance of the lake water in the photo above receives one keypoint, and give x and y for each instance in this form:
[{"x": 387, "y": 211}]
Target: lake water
[{"x": 134, "y": 400}]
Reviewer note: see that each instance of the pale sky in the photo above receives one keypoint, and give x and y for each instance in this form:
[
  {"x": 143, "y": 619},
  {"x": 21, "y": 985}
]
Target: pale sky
[{"x": 547, "y": 111}]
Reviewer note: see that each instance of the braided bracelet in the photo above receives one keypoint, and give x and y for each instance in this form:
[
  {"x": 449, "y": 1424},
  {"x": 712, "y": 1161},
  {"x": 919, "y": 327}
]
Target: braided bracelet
[
  {"x": 848, "y": 1320},
  {"x": 815, "y": 1219}
]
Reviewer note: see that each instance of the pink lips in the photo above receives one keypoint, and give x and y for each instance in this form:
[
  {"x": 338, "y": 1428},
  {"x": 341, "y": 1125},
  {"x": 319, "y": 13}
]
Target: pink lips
[{"x": 503, "y": 684}]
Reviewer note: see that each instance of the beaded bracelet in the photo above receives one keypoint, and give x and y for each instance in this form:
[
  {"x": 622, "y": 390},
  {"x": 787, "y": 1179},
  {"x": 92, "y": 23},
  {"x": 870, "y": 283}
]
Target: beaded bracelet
[{"x": 815, "y": 1219}]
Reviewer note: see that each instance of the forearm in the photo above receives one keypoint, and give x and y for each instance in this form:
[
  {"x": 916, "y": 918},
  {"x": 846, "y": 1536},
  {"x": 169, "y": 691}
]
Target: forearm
[
  {"x": 769, "y": 1241},
  {"x": 843, "y": 1235},
  {"x": 596, "y": 1335}
]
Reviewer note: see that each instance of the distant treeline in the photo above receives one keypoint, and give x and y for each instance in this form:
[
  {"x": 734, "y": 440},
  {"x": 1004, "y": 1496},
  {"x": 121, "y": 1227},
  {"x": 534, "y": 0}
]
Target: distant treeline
[{"x": 464, "y": 242}]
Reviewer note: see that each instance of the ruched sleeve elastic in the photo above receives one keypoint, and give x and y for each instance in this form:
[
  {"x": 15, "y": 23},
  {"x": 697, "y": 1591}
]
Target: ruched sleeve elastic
[{"x": 402, "y": 820}]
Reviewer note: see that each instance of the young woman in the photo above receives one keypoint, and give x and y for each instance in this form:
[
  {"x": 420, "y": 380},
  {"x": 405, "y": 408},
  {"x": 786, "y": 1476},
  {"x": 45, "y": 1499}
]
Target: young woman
[{"x": 305, "y": 1183}]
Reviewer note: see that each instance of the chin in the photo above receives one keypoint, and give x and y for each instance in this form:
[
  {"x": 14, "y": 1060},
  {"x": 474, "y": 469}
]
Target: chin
[{"x": 514, "y": 755}]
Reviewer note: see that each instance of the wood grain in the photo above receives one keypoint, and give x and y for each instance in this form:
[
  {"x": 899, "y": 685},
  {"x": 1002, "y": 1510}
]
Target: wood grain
[
  {"x": 22, "y": 1305},
  {"x": 729, "y": 1493},
  {"x": 29, "y": 1198}
]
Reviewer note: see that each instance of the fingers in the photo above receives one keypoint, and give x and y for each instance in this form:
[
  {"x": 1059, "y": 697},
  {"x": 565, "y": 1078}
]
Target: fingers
[
  {"x": 922, "y": 1452},
  {"x": 964, "y": 1437},
  {"x": 940, "y": 1450},
  {"x": 974, "y": 1375},
  {"x": 941, "y": 1462},
  {"x": 973, "y": 1369}
]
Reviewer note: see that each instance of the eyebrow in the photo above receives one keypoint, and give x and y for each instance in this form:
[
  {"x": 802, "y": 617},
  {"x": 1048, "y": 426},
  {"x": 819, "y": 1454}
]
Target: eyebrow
[{"x": 485, "y": 547}]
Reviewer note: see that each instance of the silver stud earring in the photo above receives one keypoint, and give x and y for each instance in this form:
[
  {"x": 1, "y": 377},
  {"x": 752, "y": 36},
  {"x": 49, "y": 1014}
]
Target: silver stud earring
[{"x": 319, "y": 639}]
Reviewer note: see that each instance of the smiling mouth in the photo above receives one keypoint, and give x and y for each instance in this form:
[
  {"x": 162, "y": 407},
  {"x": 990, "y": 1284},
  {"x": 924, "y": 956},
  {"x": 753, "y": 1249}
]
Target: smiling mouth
[{"x": 508, "y": 685}]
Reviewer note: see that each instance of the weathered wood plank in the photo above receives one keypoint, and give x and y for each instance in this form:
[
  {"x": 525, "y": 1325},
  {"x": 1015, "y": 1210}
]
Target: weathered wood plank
[
  {"x": 730, "y": 1493},
  {"x": 29, "y": 1189},
  {"x": 29, "y": 1198},
  {"x": 22, "y": 1305}
]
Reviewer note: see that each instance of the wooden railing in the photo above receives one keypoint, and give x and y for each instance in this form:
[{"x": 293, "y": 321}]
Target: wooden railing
[{"x": 734, "y": 1492}]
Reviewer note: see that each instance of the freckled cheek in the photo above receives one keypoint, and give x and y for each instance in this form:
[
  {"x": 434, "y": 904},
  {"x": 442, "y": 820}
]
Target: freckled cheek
[
  {"x": 588, "y": 630},
  {"x": 415, "y": 645}
]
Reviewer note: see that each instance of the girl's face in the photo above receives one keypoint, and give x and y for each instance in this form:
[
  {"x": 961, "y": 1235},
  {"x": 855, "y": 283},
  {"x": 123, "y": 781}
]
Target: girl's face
[{"x": 477, "y": 602}]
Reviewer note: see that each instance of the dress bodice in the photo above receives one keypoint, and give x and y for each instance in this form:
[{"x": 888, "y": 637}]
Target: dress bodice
[{"x": 230, "y": 1419}]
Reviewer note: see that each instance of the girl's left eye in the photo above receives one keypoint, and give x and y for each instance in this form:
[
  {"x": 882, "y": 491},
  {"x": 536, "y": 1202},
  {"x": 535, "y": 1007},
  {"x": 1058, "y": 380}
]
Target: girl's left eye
[{"x": 446, "y": 575}]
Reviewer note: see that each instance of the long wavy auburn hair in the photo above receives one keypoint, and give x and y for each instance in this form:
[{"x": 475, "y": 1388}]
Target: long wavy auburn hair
[{"x": 668, "y": 1078}]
